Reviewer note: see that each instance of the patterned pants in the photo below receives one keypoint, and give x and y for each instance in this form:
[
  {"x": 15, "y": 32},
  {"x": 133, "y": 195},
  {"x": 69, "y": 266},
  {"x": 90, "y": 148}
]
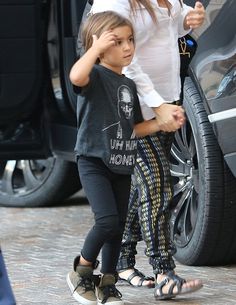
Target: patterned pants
[{"x": 148, "y": 214}]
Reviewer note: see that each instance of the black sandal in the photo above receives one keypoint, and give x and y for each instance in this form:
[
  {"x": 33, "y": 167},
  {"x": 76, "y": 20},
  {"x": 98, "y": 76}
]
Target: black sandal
[
  {"x": 177, "y": 282},
  {"x": 141, "y": 280}
]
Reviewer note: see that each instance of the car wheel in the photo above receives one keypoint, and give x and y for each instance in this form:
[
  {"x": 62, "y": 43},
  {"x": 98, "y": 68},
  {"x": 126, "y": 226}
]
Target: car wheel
[
  {"x": 203, "y": 210},
  {"x": 31, "y": 183}
]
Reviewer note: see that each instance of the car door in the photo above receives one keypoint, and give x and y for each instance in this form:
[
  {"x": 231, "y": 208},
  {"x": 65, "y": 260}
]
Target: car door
[
  {"x": 22, "y": 78},
  {"x": 38, "y": 45}
]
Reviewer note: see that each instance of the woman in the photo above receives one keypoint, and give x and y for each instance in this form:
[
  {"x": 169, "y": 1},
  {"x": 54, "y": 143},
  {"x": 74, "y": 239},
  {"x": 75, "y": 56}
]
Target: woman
[{"x": 155, "y": 68}]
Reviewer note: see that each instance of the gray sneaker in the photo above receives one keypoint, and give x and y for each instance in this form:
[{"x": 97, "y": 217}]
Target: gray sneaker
[
  {"x": 81, "y": 285},
  {"x": 106, "y": 291}
]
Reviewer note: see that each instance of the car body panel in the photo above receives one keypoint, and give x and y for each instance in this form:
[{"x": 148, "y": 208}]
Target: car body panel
[{"x": 214, "y": 69}]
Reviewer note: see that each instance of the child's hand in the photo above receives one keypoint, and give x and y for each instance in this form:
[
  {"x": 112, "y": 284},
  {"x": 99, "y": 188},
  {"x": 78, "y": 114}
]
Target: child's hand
[
  {"x": 104, "y": 42},
  {"x": 196, "y": 16}
]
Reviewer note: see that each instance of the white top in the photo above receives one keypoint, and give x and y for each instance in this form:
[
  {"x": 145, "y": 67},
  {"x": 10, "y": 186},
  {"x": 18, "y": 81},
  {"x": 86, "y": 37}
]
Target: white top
[{"x": 156, "y": 64}]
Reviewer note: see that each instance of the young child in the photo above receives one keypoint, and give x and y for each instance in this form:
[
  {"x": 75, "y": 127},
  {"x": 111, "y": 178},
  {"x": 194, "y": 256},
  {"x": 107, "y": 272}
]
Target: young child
[{"x": 109, "y": 119}]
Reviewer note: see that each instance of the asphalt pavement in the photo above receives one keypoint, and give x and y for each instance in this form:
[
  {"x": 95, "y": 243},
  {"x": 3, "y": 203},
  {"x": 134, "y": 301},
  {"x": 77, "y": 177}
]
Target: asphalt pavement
[{"x": 39, "y": 245}]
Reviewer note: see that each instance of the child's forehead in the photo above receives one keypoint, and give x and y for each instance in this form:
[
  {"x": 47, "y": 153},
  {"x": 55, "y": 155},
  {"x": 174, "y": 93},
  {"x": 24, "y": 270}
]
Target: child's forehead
[{"x": 124, "y": 30}]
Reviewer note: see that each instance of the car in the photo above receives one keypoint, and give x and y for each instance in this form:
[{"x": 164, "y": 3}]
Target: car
[
  {"x": 39, "y": 44},
  {"x": 203, "y": 161}
]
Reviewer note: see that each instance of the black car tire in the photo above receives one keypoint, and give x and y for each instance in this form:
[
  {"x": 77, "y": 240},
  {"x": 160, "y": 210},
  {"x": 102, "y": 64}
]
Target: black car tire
[
  {"x": 34, "y": 183},
  {"x": 203, "y": 209}
]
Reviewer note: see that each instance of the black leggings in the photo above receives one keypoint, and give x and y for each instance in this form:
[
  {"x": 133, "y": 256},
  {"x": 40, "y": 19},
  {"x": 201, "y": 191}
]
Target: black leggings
[{"x": 108, "y": 195}]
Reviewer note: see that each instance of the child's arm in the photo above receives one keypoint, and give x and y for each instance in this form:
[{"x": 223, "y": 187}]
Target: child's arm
[
  {"x": 146, "y": 128},
  {"x": 79, "y": 74}
]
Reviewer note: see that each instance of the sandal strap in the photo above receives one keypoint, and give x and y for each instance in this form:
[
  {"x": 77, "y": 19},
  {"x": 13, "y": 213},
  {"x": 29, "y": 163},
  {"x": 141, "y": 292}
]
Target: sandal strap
[
  {"x": 174, "y": 276},
  {"x": 177, "y": 282},
  {"x": 131, "y": 276},
  {"x": 160, "y": 286},
  {"x": 134, "y": 274},
  {"x": 143, "y": 277}
]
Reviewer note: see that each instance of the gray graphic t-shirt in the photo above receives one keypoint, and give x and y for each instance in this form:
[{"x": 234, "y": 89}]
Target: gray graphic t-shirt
[{"x": 107, "y": 109}]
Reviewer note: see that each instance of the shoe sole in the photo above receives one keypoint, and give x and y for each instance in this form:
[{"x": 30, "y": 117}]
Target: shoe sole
[{"x": 78, "y": 297}]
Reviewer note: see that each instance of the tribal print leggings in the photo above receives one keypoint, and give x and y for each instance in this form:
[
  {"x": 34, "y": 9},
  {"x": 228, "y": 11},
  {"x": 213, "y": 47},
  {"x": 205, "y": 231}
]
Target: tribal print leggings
[{"x": 148, "y": 213}]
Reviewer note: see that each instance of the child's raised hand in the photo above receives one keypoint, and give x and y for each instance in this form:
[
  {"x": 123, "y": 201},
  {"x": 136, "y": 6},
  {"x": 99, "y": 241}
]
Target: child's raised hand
[{"x": 104, "y": 42}]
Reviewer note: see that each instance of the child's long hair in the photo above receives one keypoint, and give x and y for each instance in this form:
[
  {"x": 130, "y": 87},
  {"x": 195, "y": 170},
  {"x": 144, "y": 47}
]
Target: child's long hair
[{"x": 98, "y": 23}]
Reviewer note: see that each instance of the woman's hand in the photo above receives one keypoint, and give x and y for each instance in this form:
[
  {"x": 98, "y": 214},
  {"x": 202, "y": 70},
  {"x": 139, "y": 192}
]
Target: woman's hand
[
  {"x": 195, "y": 17},
  {"x": 170, "y": 117}
]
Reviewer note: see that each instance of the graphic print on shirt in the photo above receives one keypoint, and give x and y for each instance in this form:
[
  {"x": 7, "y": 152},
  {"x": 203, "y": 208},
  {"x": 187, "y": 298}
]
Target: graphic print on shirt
[{"x": 122, "y": 145}]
